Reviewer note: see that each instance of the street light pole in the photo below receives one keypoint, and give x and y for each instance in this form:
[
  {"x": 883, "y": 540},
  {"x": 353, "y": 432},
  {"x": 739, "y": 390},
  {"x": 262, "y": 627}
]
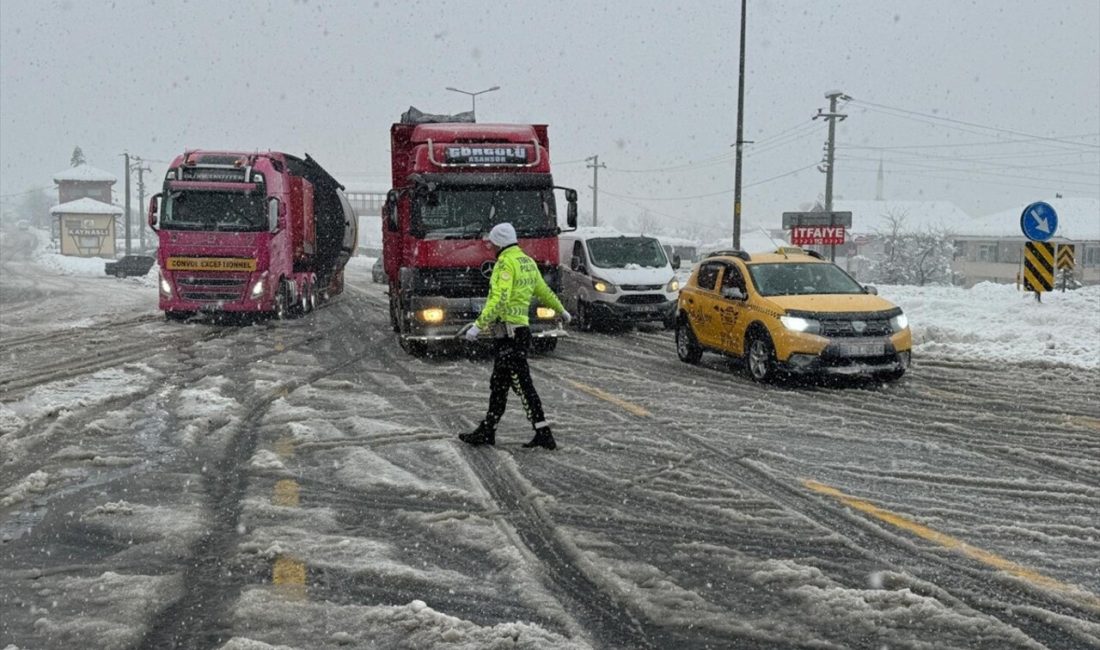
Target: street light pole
[
  {"x": 473, "y": 96},
  {"x": 740, "y": 132}
]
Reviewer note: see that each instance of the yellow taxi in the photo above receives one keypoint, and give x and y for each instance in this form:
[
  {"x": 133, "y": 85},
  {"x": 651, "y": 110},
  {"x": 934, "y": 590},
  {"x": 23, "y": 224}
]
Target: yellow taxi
[{"x": 790, "y": 312}]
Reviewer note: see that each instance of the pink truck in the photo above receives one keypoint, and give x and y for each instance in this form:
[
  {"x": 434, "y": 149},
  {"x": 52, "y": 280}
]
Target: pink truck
[{"x": 266, "y": 233}]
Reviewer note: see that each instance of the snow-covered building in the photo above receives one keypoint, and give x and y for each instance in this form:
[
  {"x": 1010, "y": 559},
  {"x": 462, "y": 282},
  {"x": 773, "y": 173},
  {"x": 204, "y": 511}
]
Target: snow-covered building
[
  {"x": 84, "y": 181},
  {"x": 87, "y": 227}
]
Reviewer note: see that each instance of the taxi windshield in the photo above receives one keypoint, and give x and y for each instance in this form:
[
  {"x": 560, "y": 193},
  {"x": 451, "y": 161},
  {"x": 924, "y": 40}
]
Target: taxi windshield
[{"x": 793, "y": 279}]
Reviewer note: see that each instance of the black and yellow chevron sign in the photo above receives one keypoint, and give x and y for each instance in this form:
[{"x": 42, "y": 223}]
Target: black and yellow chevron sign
[
  {"x": 1038, "y": 266},
  {"x": 1065, "y": 257}
]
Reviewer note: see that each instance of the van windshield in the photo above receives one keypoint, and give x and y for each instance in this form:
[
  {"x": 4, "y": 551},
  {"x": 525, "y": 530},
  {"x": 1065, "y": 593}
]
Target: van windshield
[
  {"x": 626, "y": 252},
  {"x": 205, "y": 210},
  {"x": 471, "y": 212}
]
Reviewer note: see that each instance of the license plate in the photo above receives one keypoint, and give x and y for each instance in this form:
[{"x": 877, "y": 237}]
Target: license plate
[{"x": 863, "y": 349}]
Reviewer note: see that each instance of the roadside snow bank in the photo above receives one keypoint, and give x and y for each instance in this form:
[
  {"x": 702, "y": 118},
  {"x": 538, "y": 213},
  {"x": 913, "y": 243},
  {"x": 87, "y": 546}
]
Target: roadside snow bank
[{"x": 997, "y": 323}]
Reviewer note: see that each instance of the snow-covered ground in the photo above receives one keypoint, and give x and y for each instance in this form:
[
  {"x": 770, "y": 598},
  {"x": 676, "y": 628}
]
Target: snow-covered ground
[{"x": 298, "y": 484}]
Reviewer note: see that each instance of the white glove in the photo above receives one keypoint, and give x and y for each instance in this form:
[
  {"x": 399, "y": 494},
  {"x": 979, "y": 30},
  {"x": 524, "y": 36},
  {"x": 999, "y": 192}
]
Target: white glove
[
  {"x": 471, "y": 334},
  {"x": 566, "y": 317}
]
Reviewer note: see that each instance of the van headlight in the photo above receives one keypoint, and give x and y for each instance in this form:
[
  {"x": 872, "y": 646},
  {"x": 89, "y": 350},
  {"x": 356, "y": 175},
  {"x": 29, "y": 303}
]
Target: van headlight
[
  {"x": 799, "y": 324},
  {"x": 258, "y": 289},
  {"x": 673, "y": 286},
  {"x": 603, "y": 286},
  {"x": 899, "y": 322},
  {"x": 165, "y": 286}
]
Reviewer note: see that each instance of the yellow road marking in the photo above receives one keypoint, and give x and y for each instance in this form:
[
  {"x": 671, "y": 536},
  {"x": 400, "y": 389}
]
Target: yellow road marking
[
  {"x": 947, "y": 541},
  {"x": 284, "y": 447},
  {"x": 289, "y": 575},
  {"x": 286, "y": 493},
  {"x": 608, "y": 397}
]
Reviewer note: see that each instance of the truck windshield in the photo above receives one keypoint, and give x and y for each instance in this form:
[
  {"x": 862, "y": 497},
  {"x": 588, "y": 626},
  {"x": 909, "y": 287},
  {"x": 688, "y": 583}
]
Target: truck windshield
[
  {"x": 204, "y": 210},
  {"x": 626, "y": 252},
  {"x": 801, "y": 279},
  {"x": 469, "y": 213}
]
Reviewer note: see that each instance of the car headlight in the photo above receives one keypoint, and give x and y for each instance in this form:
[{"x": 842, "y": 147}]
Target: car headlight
[
  {"x": 673, "y": 286},
  {"x": 165, "y": 286},
  {"x": 603, "y": 286},
  {"x": 899, "y": 322},
  {"x": 799, "y": 324},
  {"x": 545, "y": 313},
  {"x": 258, "y": 289}
]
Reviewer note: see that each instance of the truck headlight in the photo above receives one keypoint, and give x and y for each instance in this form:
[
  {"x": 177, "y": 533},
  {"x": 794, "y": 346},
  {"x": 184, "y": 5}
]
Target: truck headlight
[
  {"x": 798, "y": 324},
  {"x": 165, "y": 286},
  {"x": 431, "y": 315},
  {"x": 603, "y": 286},
  {"x": 673, "y": 286},
  {"x": 258, "y": 289},
  {"x": 545, "y": 313},
  {"x": 899, "y": 322}
]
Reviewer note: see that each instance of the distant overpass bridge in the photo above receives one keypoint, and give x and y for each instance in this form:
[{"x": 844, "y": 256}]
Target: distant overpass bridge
[{"x": 367, "y": 204}]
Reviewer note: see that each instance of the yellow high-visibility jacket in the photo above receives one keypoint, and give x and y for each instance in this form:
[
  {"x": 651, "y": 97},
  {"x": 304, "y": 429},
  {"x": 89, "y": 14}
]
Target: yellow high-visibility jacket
[{"x": 515, "y": 278}]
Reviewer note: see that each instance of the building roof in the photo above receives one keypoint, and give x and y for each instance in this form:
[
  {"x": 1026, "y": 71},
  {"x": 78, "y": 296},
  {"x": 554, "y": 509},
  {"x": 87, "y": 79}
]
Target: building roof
[
  {"x": 1078, "y": 220},
  {"x": 85, "y": 206},
  {"x": 84, "y": 172},
  {"x": 874, "y": 216}
]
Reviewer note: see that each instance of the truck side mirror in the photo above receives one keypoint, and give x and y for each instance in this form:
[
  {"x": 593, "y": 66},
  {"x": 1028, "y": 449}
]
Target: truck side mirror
[
  {"x": 675, "y": 261},
  {"x": 273, "y": 215},
  {"x": 154, "y": 204},
  {"x": 389, "y": 211}
]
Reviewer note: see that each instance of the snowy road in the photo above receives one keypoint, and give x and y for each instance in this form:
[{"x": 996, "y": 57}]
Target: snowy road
[{"x": 298, "y": 484}]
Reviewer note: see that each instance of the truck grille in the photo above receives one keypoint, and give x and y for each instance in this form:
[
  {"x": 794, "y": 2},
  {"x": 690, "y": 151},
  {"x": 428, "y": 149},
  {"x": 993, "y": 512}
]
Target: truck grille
[
  {"x": 452, "y": 283},
  {"x": 211, "y": 289}
]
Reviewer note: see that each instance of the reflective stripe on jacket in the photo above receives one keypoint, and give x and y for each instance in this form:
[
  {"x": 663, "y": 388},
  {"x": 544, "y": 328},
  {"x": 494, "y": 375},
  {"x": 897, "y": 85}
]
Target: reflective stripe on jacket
[{"x": 515, "y": 279}]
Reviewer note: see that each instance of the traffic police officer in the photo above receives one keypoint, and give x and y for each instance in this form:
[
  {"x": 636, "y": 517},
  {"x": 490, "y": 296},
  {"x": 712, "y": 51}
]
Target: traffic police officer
[{"x": 515, "y": 278}]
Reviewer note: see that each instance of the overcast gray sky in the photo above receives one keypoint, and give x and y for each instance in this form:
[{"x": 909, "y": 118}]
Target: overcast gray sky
[{"x": 986, "y": 103}]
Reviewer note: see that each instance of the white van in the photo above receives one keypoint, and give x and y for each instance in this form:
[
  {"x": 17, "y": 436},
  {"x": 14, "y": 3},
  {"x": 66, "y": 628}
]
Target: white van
[{"x": 608, "y": 277}]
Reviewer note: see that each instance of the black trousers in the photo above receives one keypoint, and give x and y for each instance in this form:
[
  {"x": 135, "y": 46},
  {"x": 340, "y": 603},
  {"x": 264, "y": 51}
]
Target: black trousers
[{"x": 511, "y": 372}]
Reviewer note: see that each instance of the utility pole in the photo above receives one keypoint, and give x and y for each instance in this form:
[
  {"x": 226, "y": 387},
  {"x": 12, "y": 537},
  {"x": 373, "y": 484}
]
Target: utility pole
[
  {"x": 740, "y": 142},
  {"x": 595, "y": 166},
  {"x": 126, "y": 226},
  {"x": 141, "y": 169},
  {"x": 832, "y": 116}
]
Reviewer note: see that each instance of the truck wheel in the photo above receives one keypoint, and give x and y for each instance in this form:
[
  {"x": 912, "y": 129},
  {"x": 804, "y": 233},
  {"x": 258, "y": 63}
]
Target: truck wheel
[
  {"x": 394, "y": 307},
  {"x": 312, "y": 297},
  {"x": 760, "y": 357},
  {"x": 544, "y": 345},
  {"x": 282, "y": 302},
  {"x": 687, "y": 347}
]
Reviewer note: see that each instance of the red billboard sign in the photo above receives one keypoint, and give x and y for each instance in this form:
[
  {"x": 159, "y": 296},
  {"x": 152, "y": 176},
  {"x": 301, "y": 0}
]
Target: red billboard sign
[{"x": 817, "y": 235}]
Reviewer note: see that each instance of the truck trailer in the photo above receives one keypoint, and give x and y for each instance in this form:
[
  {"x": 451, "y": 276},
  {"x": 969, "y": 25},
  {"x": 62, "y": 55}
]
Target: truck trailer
[
  {"x": 453, "y": 180},
  {"x": 265, "y": 233}
]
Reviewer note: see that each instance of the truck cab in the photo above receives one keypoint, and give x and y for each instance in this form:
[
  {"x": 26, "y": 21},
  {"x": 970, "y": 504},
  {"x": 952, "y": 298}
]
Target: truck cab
[{"x": 452, "y": 182}]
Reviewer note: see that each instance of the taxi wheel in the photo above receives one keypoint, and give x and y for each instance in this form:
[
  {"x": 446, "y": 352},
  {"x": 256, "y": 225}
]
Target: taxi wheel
[
  {"x": 687, "y": 348},
  {"x": 761, "y": 358}
]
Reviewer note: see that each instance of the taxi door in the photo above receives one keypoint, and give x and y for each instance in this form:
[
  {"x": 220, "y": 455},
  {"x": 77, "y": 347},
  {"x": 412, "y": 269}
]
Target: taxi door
[
  {"x": 700, "y": 302},
  {"x": 731, "y": 304}
]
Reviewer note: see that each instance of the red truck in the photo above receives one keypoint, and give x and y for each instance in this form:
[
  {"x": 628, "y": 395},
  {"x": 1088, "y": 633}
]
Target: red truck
[
  {"x": 453, "y": 180},
  {"x": 250, "y": 232}
]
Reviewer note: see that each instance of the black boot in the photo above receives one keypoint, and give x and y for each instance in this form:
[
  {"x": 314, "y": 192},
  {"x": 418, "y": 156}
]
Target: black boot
[
  {"x": 482, "y": 435},
  {"x": 543, "y": 438}
]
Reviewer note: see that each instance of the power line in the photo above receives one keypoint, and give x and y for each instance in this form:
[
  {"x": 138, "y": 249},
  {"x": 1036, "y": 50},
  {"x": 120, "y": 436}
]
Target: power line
[
  {"x": 967, "y": 144},
  {"x": 907, "y": 113},
  {"x": 703, "y": 196}
]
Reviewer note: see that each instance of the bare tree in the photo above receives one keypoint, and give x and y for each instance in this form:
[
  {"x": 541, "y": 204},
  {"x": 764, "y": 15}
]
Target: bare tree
[{"x": 922, "y": 256}]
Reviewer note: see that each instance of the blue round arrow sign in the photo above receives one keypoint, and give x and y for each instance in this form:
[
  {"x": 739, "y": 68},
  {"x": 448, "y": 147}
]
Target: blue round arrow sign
[{"x": 1039, "y": 221}]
